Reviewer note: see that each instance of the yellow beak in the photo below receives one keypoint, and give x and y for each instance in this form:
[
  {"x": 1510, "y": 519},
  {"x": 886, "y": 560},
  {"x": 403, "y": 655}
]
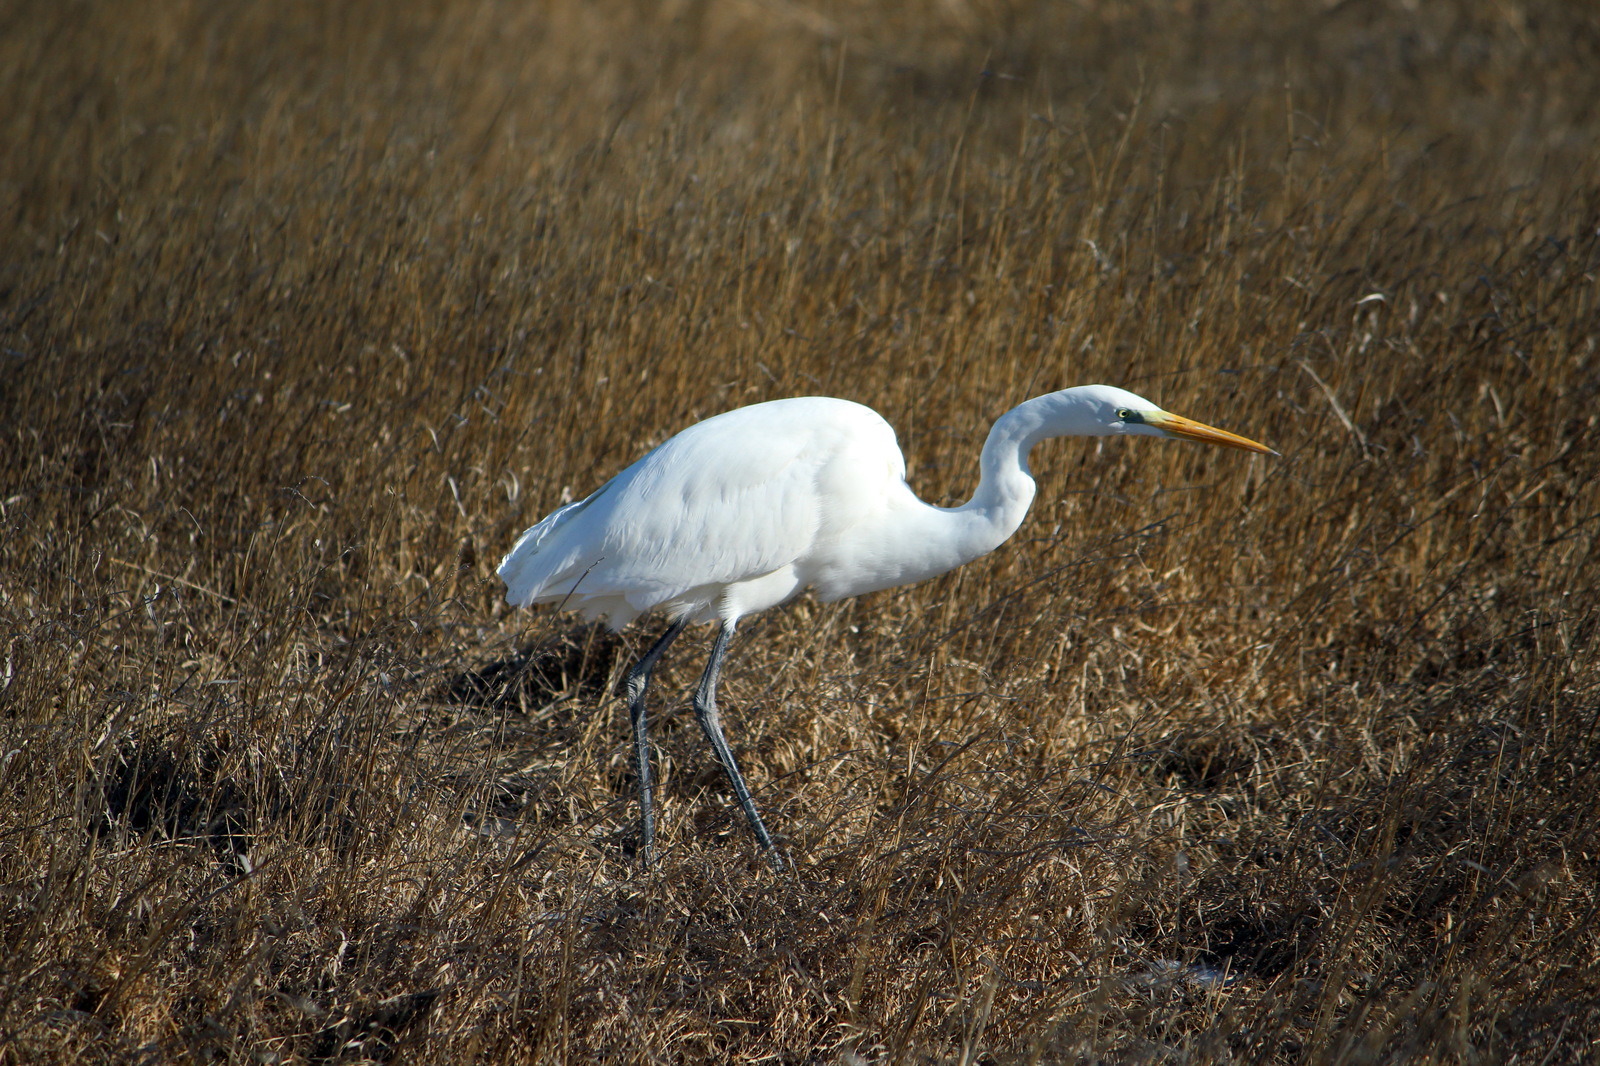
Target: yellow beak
[{"x": 1188, "y": 429}]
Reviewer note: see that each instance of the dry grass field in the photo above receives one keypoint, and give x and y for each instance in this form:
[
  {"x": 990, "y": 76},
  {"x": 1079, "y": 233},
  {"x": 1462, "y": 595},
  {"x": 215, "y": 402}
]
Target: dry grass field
[{"x": 307, "y": 310}]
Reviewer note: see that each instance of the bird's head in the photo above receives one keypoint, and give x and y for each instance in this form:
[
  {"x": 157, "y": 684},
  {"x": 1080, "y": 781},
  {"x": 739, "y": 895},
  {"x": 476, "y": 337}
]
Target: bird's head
[{"x": 1109, "y": 411}]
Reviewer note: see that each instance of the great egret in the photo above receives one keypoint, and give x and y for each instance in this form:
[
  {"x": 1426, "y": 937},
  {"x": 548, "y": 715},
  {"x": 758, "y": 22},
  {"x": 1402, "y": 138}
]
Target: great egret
[{"x": 744, "y": 510}]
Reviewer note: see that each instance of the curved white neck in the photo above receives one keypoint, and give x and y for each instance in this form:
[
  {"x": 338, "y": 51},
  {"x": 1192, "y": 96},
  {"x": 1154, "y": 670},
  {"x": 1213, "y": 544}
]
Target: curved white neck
[
  {"x": 938, "y": 539},
  {"x": 1005, "y": 486}
]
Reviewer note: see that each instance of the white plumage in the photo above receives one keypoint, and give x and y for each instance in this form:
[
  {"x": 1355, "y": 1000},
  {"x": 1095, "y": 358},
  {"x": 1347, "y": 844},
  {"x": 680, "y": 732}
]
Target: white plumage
[{"x": 744, "y": 510}]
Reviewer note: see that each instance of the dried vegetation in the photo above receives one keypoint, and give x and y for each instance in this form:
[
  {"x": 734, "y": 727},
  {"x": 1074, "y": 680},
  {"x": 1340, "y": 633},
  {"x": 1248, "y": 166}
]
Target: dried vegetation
[{"x": 308, "y": 309}]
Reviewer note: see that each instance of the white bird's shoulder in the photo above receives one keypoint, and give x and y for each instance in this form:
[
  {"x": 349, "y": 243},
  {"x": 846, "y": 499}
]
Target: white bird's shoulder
[
  {"x": 775, "y": 466},
  {"x": 807, "y": 422}
]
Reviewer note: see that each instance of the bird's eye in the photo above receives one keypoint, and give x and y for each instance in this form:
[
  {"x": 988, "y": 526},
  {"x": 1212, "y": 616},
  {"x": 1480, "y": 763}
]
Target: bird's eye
[{"x": 1124, "y": 414}]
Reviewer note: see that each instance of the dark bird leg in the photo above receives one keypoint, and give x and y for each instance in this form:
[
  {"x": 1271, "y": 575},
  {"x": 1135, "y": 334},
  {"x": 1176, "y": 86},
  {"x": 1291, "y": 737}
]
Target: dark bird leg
[
  {"x": 638, "y": 681},
  {"x": 705, "y": 709}
]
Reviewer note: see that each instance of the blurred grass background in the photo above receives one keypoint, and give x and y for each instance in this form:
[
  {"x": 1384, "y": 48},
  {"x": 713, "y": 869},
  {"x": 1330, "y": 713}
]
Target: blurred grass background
[{"x": 307, "y": 310}]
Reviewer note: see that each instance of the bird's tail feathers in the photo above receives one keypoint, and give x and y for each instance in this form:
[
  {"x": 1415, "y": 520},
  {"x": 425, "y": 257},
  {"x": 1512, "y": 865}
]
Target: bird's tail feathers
[{"x": 530, "y": 566}]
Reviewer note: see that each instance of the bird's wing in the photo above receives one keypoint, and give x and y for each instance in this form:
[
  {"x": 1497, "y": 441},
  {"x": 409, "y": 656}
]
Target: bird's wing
[
  {"x": 729, "y": 499},
  {"x": 709, "y": 508}
]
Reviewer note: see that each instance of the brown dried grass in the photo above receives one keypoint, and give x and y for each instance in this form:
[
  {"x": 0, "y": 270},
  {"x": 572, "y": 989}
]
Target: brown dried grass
[{"x": 307, "y": 312}]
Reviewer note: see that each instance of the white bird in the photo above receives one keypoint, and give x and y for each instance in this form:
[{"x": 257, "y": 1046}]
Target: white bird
[{"x": 741, "y": 512}]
